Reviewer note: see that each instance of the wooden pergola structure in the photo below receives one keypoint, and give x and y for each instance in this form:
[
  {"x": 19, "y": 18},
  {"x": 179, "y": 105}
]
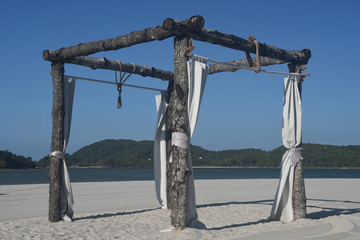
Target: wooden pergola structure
[{"x": 182, "y": 31}]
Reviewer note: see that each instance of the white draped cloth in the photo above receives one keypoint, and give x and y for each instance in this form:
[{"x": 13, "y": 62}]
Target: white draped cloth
[
  {"x": 160, "y": 150},
  {"x": 197, "y": 74},
  {"x": 282, "y": 208},
  {"x": 67, "y": 200}
]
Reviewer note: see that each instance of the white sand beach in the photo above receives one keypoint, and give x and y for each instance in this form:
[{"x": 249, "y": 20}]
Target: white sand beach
[{"x": 230, "y": 209}]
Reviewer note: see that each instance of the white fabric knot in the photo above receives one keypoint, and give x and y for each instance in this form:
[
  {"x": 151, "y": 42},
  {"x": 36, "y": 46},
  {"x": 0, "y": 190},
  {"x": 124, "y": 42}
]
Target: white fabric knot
[
  {"x": 293, "y": 155},
  {"x": 180, "y": 140},
  {"x": 58, "y": 154}
]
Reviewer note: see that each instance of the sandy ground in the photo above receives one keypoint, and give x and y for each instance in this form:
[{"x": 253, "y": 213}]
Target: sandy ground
[{"x": 230, "y": 209}]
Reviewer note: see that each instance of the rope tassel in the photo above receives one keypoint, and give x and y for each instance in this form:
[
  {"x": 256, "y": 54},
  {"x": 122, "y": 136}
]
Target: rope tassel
[
  {"x": 119, "y": 98},
  {"x": 121, "y": 81}
]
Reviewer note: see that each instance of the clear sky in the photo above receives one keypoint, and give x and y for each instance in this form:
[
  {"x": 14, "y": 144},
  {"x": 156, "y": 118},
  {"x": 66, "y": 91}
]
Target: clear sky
[{"x": 239, "y": 110}]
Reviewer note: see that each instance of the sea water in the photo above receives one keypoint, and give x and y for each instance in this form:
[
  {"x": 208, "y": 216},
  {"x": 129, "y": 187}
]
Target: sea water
[{"x": 36, "y": 176}]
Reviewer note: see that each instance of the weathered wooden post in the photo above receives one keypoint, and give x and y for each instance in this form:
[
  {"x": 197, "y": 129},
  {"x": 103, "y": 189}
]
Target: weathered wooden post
[
  {"x": 299, "y": 196},
  {"x": 57, "y": 141},
  {"x": 170, "y": 91},
  {"x": 178, "y": 119}
]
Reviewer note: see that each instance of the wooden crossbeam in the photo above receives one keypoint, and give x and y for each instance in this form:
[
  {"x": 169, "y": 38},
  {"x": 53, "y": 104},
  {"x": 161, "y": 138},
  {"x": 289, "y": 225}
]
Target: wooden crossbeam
[
  {"x": 133, "y": 38},
  {"x": 103, "y": 63},
  {"x": 234, "y": 42},
  {"x": 192, "y": 27},
  {"x": 264, "y": 61},
  {"x": 146, "y": 71}
]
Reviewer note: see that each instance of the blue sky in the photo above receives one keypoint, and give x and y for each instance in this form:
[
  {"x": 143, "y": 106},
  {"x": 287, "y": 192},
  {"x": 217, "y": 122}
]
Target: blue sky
[{"x": 239, "y": 110}]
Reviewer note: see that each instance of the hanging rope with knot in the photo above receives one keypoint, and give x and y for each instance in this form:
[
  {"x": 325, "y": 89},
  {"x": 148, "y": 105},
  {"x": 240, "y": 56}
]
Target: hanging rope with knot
[
  {"x": 121, "y": 81},
  {"x": 258, "y": 66},
  {"x": 190, "y": 47}
]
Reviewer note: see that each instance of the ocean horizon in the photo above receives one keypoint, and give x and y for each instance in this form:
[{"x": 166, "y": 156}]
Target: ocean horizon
[{"x": 100, "y": 174}]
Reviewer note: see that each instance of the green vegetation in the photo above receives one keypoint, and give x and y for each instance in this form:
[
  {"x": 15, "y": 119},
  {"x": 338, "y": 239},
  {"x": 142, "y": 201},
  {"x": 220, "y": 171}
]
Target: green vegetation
[
  {"x": 115, "y": 153},
  {"x": 128, "y": 153},
  {"x": 9, "y": 160}
]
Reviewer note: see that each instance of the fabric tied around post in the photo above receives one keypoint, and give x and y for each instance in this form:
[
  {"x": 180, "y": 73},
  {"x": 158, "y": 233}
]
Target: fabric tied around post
[
  {"x": 197, "y": 74},
  {"x": 58, "y": 154},
  {"x": 282, "y": 209},
  {"x": 293, "y": 155},
  {"x": 67, "y": 199},
  {"x": 181, "y": 140}
]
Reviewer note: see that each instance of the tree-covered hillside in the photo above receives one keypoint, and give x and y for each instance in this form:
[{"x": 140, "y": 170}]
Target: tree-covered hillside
[
  {"x": 128, "y": 153},
  {"x": 9, "y": 160},
  {"x": 115, "y": 153}
]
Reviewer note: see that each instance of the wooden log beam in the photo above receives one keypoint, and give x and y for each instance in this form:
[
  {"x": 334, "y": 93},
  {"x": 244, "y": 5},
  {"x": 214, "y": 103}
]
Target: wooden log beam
[
  {"x": 264, "y": 61},
  {"x": 177, "y": 112},
  {"x": 237, "y": 43},
  {"x": 299, "y": 196},
  {"x": 192, "y": 24},
  {"x": 133, "y": 38},
  {"x": 103, "y": 63},
  {"x": 192, "y": 27},
  {"x": 146, "y": 71},
  {"x": 84, "y": 49},
  {"x": 234, "y": 42},
  {"x": 57, "y": 141}
]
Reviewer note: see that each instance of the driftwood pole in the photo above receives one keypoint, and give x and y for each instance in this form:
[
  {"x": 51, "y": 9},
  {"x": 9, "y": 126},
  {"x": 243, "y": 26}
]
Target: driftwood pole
[
  {"x": 299, "y": 196},
  {"x": 178, "y": 119},
  {"x": 57, "y": 141},
  {"x": 171, "y": 92}
]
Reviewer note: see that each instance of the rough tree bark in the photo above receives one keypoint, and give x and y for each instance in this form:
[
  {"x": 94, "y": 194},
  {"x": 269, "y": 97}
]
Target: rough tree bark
[
  {"x": 179, "y": 28},
  {"x": 192, "y": 27},
  {"x": 234, "y": 42},
  {"x": 146, "y": 71},
  {"x": 264, "y": 61},
  {"x": 57, "y": 141},
  {"x": 170, "y": 91},
  {"x": 133, "y": 38},
  {"x": 103, "y": 63},
  {"x": 179, "y": 122},
  {"x": 84, "y": 49},
  {"x": 299, "y": 196}
]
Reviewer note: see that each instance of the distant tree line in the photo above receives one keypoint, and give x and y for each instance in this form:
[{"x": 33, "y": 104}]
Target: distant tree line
[
  {"x": 9, "y": 160},
  {"x": 128, "y": 153}
]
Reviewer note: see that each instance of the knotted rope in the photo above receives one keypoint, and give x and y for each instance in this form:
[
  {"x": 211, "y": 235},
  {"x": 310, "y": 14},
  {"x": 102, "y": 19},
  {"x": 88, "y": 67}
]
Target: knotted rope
[
  {"x": 303, "y": 67},
  {"x": 122, "y": 81},
  {"x": 258, "y": 66},
  {"x": 190, "y": 47}
]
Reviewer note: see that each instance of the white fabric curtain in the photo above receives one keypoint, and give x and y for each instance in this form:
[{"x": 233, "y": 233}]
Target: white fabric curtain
[
  {"x": 67, "y": 200},
  {"x": 282, "y": 208},
  {"x": 197, "y": 73},
  {"x": 160, "y": 150}
]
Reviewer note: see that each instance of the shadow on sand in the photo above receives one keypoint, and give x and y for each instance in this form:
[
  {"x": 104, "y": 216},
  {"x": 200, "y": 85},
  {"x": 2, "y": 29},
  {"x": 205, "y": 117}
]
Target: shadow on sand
[
  {"x": 328, "y": 212},
  {"x": 322, "y": 213},
  {"x": 266, "y": 202},
  {"x": 106, "y": 215}
]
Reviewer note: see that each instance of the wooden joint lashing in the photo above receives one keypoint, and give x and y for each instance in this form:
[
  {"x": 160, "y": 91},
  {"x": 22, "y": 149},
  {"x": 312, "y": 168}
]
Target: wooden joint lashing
[
  {"x": 190, "y": 47},
  {"x": 248, "y": 57}
]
